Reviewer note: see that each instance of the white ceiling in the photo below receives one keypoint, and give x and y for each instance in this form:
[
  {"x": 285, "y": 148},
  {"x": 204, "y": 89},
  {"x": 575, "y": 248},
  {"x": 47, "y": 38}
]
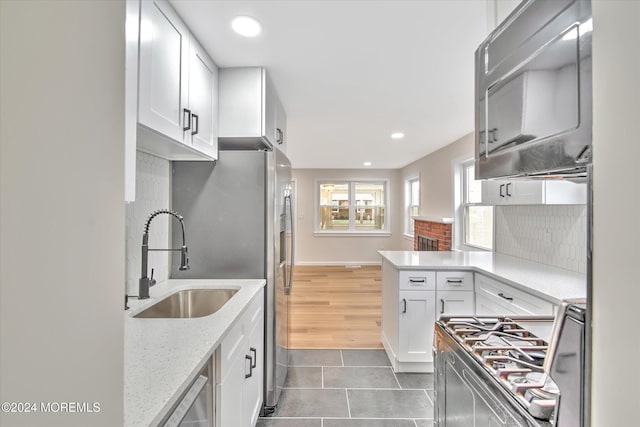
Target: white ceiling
[{"x": 350, "y": 73}]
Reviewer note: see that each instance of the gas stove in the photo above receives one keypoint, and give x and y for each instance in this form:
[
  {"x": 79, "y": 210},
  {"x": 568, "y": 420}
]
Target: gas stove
[
  {"x": 513, "y": 355},
  {"x": 512, "y": 371}
]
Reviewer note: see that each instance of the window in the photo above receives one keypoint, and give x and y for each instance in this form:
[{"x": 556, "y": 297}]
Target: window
[
  {"x": 352, "y": 206},
  {"x": 412, "y": 198},
  {"x": 477, "y": 218}
]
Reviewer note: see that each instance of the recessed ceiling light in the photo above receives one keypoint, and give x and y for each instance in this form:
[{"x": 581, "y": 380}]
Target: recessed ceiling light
[
  {"x": 246, "y": 26},
  {"x": 367, "y": 163},
  {"x": 397, "y": 135}
]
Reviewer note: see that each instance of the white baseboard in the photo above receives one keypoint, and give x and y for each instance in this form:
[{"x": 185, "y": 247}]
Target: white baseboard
[{"x": 334, "y": 263}]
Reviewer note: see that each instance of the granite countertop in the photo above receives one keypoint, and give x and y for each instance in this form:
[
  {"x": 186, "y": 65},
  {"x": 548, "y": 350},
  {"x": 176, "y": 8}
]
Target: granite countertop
[
  {"x": 163, "y": 356},
  {"x": 550, "y": 283}
]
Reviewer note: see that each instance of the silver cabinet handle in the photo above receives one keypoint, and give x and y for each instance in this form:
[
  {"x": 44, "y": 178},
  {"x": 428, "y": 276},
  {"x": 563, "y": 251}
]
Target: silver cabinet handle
[
  {"x": 501, "y": 295},
  {"x": 279, "y": 136},
  {"x": 404, "y": 305},
  {"x": 441, "y": 306}
]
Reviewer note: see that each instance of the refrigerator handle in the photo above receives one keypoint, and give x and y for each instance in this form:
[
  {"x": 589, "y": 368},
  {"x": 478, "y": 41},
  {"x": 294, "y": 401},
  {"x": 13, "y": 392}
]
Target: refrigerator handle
[{"x": 293, "y": 240}]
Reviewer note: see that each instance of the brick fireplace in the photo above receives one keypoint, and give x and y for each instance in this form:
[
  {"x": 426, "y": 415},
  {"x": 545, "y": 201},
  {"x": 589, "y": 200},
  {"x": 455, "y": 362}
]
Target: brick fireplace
[{"x": 432, "y": 229}]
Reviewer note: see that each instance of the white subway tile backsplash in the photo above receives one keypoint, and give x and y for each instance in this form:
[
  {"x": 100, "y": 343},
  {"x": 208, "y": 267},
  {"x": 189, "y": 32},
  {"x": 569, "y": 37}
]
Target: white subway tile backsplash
[
  {"x": 152, "y": 193},
  {"x": 552, "y": 235}
]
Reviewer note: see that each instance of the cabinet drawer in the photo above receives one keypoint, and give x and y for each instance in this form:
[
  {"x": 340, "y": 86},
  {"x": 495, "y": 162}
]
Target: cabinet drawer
[
  {"x": 233, "y": 345},
  {"x": 418, "y": 280},
  {"x": 454, "y": 280},
  {"x": 517, "y": 301},
  {"x": 254, "y": 313}
]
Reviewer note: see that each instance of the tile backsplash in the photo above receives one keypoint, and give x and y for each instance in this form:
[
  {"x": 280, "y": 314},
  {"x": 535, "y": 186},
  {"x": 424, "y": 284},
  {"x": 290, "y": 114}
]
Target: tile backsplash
[
  {"x": 552, "y": 235},
  {"x": 152, "y": 192}
]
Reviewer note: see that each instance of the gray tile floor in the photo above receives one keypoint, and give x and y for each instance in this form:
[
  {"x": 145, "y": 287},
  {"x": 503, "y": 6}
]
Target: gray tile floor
[{"x": 351, "y": 388}]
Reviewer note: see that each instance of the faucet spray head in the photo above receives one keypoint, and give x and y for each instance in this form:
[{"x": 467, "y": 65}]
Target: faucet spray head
[{"x": 184, "y": 259}]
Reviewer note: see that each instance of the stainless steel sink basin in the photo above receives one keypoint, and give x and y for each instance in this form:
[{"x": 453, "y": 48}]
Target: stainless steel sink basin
[{"x": 188, "y": 304}]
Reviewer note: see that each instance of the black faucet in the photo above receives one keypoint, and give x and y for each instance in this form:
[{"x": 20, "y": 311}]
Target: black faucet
[{"x": 146, "y": 282}]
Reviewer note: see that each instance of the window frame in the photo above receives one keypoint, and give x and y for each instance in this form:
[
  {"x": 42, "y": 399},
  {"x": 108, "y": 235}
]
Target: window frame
[
  {"x": 353, "y": 208},
  {"x": 464, "y": 204},
  {"x": 409, "y": 225}
]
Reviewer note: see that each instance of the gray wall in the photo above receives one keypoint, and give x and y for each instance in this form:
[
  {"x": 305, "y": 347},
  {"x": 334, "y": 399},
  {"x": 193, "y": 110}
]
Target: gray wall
[
  {"x": 62, "y": 209},
  {"x": 616, "y": 288}
]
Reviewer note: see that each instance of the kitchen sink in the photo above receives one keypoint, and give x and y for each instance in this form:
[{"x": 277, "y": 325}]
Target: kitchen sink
[{"x": 189, "y": 303}]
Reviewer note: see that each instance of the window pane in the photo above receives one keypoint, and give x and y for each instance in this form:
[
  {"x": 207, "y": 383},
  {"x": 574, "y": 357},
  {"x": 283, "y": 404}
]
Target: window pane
[
  {"x": 415, "y": 193},
  {"x": 334, "y": 206},
  {"x": 479, "y": 226},
  {"x": 369, "y": 194},
  {"x": 369, "y": 218},
  {"x": 473, "y": 186},
  {"x": 334, "y": 218}
]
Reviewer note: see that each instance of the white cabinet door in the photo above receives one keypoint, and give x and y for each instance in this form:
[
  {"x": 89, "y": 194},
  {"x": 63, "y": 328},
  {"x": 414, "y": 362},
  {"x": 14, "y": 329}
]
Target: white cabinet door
[
  {"x": 230, "y": 394},
  {"x": 417, "y": 317},
  {"x": 533, "y": 193},
  {"x": 203, "y": 78},
  {"x": 164, "y": 55},
  {"x": 455, "y": 303},
  {"x": 253, "y": 383}
]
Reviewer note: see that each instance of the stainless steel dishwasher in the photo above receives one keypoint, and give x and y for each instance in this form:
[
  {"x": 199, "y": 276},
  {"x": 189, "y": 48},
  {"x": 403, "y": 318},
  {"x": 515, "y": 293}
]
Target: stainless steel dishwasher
[{"x": 196, "y": 406}]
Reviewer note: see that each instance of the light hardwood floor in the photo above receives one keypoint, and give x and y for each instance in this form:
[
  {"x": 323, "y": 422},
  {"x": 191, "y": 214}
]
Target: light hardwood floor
[{"x": 336, "y": 307}]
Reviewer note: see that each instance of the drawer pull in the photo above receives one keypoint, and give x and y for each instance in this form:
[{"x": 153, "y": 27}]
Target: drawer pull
[
  {"x": 417, "y": 280},
  {"x": 247, "y": 357},
  {"x": 254, "y": 359},
  {"x": 501, "y": 295},
  {"x": 441, "y": 306},
  {"x": 404, "y": 305},
  {"x": 455, "y": 281}
]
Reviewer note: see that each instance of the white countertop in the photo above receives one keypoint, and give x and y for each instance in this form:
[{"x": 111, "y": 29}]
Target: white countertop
[
  {"x": 550, "y": 283},
  {"x": 163, "y": 356}
]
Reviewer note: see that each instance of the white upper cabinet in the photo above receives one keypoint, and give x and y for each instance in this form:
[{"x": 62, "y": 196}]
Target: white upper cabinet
[
  {"x": 250, "y": 113},
  {"x": 203, "y": 104},
  {"x": 177, "y": 88},
  {"x": 520, "y": 192}
]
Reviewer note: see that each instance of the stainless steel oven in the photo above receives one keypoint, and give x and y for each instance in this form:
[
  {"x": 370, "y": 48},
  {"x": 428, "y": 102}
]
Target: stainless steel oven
[
  {"x": 495, "y": 371},
  {"x": 533, "y": 92}
]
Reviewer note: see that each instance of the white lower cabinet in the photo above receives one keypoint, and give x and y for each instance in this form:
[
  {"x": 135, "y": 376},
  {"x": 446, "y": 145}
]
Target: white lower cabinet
[
  {"x": 412, "y": 301},
  {"x": 455, "y": 302},
  {"x": 417, "y": 311},
  {"x": 239, "y": 369},
  {"x": 497, "y": 298}
]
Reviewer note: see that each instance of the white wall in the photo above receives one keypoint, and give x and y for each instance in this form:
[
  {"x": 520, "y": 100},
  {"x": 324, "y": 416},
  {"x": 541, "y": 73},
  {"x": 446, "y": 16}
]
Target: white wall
[
  {"x": 153, "y": 185},
  {"x": 329, "y": 250},
  {"x": 551, "y": 235},
  {"x": 62, "y": 209},
  {"x": 616, "y": 221}
]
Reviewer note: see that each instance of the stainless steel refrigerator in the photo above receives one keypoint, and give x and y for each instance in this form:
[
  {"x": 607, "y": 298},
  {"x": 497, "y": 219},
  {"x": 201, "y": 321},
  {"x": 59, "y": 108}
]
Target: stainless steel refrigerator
[{"x": 238, "y": 219}]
